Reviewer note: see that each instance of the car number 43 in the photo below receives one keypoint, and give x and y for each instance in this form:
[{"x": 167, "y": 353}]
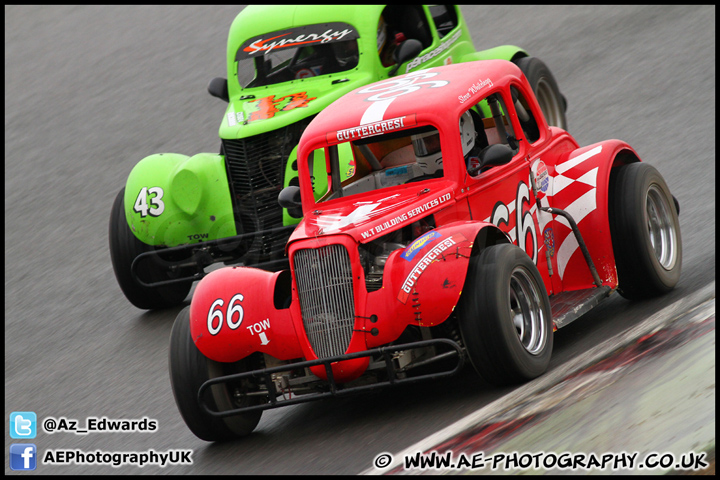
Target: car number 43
[{"x": 153, "y": 206}]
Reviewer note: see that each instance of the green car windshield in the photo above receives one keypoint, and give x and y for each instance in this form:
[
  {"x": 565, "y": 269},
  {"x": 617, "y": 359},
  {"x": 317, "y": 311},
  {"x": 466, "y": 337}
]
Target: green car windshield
[{"x": 297, "y": 53}]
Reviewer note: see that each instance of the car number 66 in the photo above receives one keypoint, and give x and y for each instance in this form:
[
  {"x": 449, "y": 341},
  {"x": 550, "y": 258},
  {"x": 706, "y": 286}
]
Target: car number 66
[
  {"x": 400, "y": 86},
  {"x": 524, "y": 221},
  {"x": 215, "y": 315}
]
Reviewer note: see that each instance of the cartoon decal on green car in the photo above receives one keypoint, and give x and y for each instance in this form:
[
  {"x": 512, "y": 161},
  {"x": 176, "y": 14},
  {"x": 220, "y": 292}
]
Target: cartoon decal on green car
[{"x": 179, "y": 214}]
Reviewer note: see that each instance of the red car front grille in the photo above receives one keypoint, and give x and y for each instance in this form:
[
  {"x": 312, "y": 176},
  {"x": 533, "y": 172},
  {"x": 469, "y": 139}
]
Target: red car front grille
[{"x": 325, "y": 289}]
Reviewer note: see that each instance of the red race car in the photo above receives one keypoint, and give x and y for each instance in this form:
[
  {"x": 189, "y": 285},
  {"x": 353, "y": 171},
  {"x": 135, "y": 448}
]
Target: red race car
[{"x": 466, "y": 229}]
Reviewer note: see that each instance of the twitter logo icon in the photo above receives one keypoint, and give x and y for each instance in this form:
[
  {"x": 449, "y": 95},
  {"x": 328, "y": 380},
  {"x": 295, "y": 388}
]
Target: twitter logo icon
[{"x": 23, "y": 425}]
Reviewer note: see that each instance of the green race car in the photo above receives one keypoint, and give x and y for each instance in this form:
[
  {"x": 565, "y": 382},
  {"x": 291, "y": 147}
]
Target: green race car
[{"x": 179, "y": 214}]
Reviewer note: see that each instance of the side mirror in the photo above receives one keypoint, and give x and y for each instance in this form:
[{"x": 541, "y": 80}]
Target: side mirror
[
  {"x": 289, "y": 198},
  {"x": 218, "y": 88},
  {"x": 407, "y": 50},
  {"x": 498, "y": 154}
]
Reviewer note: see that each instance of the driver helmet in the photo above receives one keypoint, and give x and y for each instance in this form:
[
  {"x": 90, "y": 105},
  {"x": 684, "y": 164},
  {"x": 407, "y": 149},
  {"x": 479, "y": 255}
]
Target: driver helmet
[
  {"x": 427, "y": 151},
  {"x": 427, "y": 145},
  {"x": 346, "y": 53},
  {"x": 467, "y": 132}
]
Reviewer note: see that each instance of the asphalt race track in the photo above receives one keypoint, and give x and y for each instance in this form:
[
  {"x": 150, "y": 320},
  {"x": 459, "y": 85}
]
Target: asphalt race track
[{"x": 90, "y": 90}]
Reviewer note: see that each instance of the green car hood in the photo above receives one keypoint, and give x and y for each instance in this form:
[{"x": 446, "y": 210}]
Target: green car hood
[{"x": 263, "y": 109}]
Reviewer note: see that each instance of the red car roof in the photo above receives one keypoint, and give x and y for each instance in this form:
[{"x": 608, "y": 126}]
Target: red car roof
[{"x": 430, "y": 95}]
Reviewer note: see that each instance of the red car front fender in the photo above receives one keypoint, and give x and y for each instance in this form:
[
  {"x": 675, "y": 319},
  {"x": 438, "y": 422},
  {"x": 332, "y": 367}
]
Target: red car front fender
[
  {"x": 424, "y": 281},
  {"x": 234, "y": 313}
]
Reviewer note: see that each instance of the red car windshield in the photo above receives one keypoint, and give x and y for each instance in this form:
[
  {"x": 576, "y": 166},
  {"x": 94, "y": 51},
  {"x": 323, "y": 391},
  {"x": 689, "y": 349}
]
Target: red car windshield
[{"x": 375, "y": 162}]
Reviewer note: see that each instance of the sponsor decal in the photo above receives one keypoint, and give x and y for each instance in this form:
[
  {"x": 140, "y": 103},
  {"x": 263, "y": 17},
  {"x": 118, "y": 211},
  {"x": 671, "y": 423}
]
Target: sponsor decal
[
  {"x": 473, "y": 162},
  {"x": 397, "y": 171},
  {"x": 370, "y": 129},
  {"x": 403, "y": 217},
  {"x": 474, "y": 88},
  {"x": 549, "y": 238},
  {"x": 427, "y": 259},
  {"x": 542, "y": 179},
  {"x": 267, "y": 107},
  {"x": 430, "y": 55},
  {"x": 309, "y": 35},
  {"x": 351, "y": 170},
  {"x": 235, "y": 118},
  {"x": 308, "y": 72},
  {"x": 418, "y": 244}
]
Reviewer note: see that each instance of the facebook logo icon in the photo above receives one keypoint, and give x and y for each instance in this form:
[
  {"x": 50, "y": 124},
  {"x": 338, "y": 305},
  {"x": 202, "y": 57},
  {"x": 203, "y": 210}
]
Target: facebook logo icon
[
  {"x": 23, "y": 425},
  {"x": 23, "y": 456}
]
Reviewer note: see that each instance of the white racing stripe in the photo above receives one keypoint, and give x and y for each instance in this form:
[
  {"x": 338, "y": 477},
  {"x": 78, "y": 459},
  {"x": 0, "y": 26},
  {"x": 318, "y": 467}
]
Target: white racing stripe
[
  {"x": 579, "y": 209},
  {"x": 376, "y": 111},
  {"x": 564, "y": 167}
]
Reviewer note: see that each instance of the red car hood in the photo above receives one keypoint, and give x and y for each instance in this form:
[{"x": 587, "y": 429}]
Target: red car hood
[{"x": 369, "y": 216}]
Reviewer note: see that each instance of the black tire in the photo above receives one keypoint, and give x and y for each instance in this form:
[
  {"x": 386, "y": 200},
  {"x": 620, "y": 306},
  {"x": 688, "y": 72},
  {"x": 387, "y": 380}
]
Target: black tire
[
  {"x": 552, "y": 102},
  {"x": 645, "y": 231},
  {"x": 503, "y": 286},
  {"x": 189, "y": 369},
  {"x": 124, "y": 248}
]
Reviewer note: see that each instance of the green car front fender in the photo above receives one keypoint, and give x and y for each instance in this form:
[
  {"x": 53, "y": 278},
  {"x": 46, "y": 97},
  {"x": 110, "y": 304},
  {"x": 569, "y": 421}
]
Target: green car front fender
[
  {"x": 503, "y": 52},
  {"x": 173, "y": 199}
]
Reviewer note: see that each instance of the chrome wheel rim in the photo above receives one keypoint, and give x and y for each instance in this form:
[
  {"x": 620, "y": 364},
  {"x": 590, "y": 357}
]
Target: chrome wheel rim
[
  {"x": 526, "y": 311},
  {"x": 661, "y": 227}
]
